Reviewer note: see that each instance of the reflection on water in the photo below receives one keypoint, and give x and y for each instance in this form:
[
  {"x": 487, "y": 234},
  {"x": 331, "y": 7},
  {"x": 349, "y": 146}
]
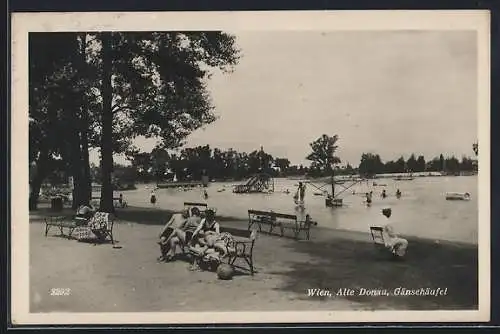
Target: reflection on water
[{"x": 422, "y": 210}]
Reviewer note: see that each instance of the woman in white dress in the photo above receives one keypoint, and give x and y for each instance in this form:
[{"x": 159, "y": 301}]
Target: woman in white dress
[{"x": 393, "y": 242}]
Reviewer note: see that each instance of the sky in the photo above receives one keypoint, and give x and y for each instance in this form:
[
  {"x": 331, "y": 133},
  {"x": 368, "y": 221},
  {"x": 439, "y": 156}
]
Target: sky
[{"x": 390, "y": 93}]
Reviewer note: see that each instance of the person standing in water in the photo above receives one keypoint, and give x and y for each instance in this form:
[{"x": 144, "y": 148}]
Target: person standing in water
[
  {"x": 384, "y": 194},
  {"x": 369, "y": 198},
  {"x": 302, "y": 191},
  {"x": 153, "y": 198}
]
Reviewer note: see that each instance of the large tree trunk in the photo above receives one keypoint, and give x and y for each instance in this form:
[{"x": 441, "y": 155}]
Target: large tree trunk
[
  {"x": 36, "y": 183},
  {"x": 87, "y": 180},
  {"x": 76, "y": 162},
  {"x": 107, "y": 126},
  {"x": 84, "y": 130}
]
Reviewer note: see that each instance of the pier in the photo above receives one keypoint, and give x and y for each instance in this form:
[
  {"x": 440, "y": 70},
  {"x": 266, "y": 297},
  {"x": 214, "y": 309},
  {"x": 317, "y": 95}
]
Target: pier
[{"x": 189, "y": 184}]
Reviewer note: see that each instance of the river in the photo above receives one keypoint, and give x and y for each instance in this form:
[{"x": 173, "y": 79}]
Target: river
[{"x": 422, "y": 210}]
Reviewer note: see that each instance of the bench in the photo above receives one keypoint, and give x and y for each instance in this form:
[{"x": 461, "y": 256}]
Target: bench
[
  {"x": 281, "y": 220},
  {"x": 240, "y": 246},
  {"x": 116, "y": 202},
  {"x": 62, "y": 222},
  {"x": 244, "y": 241}
]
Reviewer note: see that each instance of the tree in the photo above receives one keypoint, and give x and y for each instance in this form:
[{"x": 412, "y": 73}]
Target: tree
[
  {"x": 466, "y": 164},
  {"x": 283, "y": 164},
  {"x": 55, "y": 93},
  {"x": 155, "y": 83},
  {"x": 370, "y": 165},
  {"x": 159, "y": 159},
  {"x": 323, "y": 153},
  {"x": 420, "y": 165},
  {"x": 259, "y": 161},
  {"x": 452, "y": 165},
  {"x": 411, "y": 164}
]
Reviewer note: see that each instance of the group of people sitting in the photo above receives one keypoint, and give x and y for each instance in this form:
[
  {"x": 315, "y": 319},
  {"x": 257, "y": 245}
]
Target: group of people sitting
[{"x": 189, "y": 229}]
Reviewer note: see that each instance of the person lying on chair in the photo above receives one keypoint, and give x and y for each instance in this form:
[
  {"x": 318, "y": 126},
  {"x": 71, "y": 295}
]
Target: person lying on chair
[
  {"x": 393, "y": 242},
  {"x": 207, "y": 239}
]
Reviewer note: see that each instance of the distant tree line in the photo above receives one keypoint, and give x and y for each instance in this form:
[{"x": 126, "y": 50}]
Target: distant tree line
[
  {"x": 229, "y": 164},
  {"x": 221, "y": 164},
  {"x": 371, "y": 164}
]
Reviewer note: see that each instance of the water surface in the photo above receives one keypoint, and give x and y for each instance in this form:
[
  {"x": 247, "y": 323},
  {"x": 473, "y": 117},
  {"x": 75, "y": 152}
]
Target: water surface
[{"x": 422, "y": 211}]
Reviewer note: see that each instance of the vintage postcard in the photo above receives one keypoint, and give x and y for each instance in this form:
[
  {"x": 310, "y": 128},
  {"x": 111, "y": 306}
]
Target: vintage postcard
[{"x": 259, "y": 167}]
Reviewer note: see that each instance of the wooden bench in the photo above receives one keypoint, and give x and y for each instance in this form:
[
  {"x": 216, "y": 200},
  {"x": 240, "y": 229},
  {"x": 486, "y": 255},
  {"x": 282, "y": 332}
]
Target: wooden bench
[
  {"x": 116, "y": 202},
  {"x": 63, "y": 222},
  {"x": 71, "y": 223},
  {"x": 281, "y": 220}
]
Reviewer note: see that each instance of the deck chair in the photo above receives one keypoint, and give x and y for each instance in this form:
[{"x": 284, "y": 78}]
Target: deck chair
[
  {"x": 378, "y": 237},
  {"x": 380, "y": 242}
]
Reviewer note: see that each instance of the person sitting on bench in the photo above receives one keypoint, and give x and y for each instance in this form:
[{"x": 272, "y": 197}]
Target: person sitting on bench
[
  {"x": 180, "y": 235},
  {"x": 208, "y": 226},
  {"x": 393, "y": 242},
  {"x": 176, "y": 222},
  {"x": 84, "y": 213}
]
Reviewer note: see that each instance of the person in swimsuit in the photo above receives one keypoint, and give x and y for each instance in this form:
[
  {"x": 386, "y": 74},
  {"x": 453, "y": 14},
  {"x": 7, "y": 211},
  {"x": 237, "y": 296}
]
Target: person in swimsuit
[
  {"x": 153, "y": 197},
  {"x": 206, "y": 227},
  {"x": 368, "y": 199},
  {"x": 207, "y": 238},
  {"x": 398, "y": 194},
  {"x": 168, "y": 232},
  {"x": 302, "y": 191}
]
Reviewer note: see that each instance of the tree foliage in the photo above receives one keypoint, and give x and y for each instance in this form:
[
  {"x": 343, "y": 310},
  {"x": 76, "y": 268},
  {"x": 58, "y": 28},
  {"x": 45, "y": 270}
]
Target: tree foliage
[
  {"x": 323, "y": 156},
  {"x": 113, "y": 86}
]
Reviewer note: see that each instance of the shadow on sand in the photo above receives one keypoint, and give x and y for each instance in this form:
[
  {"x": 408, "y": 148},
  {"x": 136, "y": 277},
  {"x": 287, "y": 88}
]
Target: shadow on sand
[
  {"x": 137, "y": 215},
  {"x": 341, "y": 263},
  {"x": 154, "y": 216}
]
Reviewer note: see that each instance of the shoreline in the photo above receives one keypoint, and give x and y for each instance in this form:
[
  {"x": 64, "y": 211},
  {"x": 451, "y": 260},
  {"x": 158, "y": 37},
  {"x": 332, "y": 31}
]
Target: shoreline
[{"x": 158, "y": 216}]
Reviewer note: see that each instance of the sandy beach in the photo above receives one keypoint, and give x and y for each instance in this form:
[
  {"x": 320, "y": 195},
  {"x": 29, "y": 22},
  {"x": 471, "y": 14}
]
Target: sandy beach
[{"x": 100, "y": 278}]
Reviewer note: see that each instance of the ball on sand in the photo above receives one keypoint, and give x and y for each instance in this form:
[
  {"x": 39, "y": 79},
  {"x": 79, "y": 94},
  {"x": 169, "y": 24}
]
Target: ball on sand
[{"x": 225, "y": 271}]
